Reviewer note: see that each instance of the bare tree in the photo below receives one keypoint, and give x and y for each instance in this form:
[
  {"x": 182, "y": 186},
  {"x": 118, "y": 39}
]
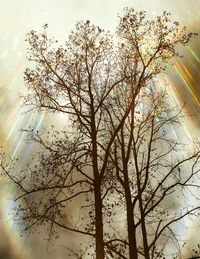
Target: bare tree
[
  {"x": 75, "y": 81},
  {"x": 110, "y": 154},
  {"x": 152, "y": 167}
]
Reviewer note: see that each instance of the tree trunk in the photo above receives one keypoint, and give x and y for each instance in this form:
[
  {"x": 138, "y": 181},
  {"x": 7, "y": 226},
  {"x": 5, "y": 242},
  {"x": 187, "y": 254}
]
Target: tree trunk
[
  {"x": 131, "y": 227},
  {"x": 97, "y": 183},
  {"x": 99, "y": 223},
  {"x": 143, "y": 226}
]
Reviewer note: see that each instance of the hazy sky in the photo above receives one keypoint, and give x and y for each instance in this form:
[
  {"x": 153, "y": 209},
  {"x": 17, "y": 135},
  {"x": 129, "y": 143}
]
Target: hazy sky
[{"x": 18, "y": 16}]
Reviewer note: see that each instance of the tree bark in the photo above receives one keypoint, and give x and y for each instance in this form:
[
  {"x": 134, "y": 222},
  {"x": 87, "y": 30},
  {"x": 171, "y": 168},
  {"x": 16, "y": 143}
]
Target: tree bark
[
  {"x": 143, "y": 225},
  {"x": 99, "y": 223},
  {"x": 131, "y": 235},
  {"x": 133, "y": 254},
  {"x": 97, "y": 189}
]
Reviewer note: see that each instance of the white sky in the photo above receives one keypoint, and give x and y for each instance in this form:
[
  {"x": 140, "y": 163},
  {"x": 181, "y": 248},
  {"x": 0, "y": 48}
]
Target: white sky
[
  {"x": 21, "y": 15},
  {"x": 17, "y": 17}
]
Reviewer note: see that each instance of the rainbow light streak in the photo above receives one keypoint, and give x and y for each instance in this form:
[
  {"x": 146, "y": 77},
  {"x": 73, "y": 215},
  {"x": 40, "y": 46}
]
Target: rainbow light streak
[
  {"x": 185, "y": 121},
  {"x": 12, "y": 126},
  {"x": 188, "y": 72},
  {"x": 9, "y": 85},
  {"x": 186, "y": 84},
  {"x": 20, "y": 143},
  {"x": 194, "y": 54},
  {"x": 172, "y": 92}
]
